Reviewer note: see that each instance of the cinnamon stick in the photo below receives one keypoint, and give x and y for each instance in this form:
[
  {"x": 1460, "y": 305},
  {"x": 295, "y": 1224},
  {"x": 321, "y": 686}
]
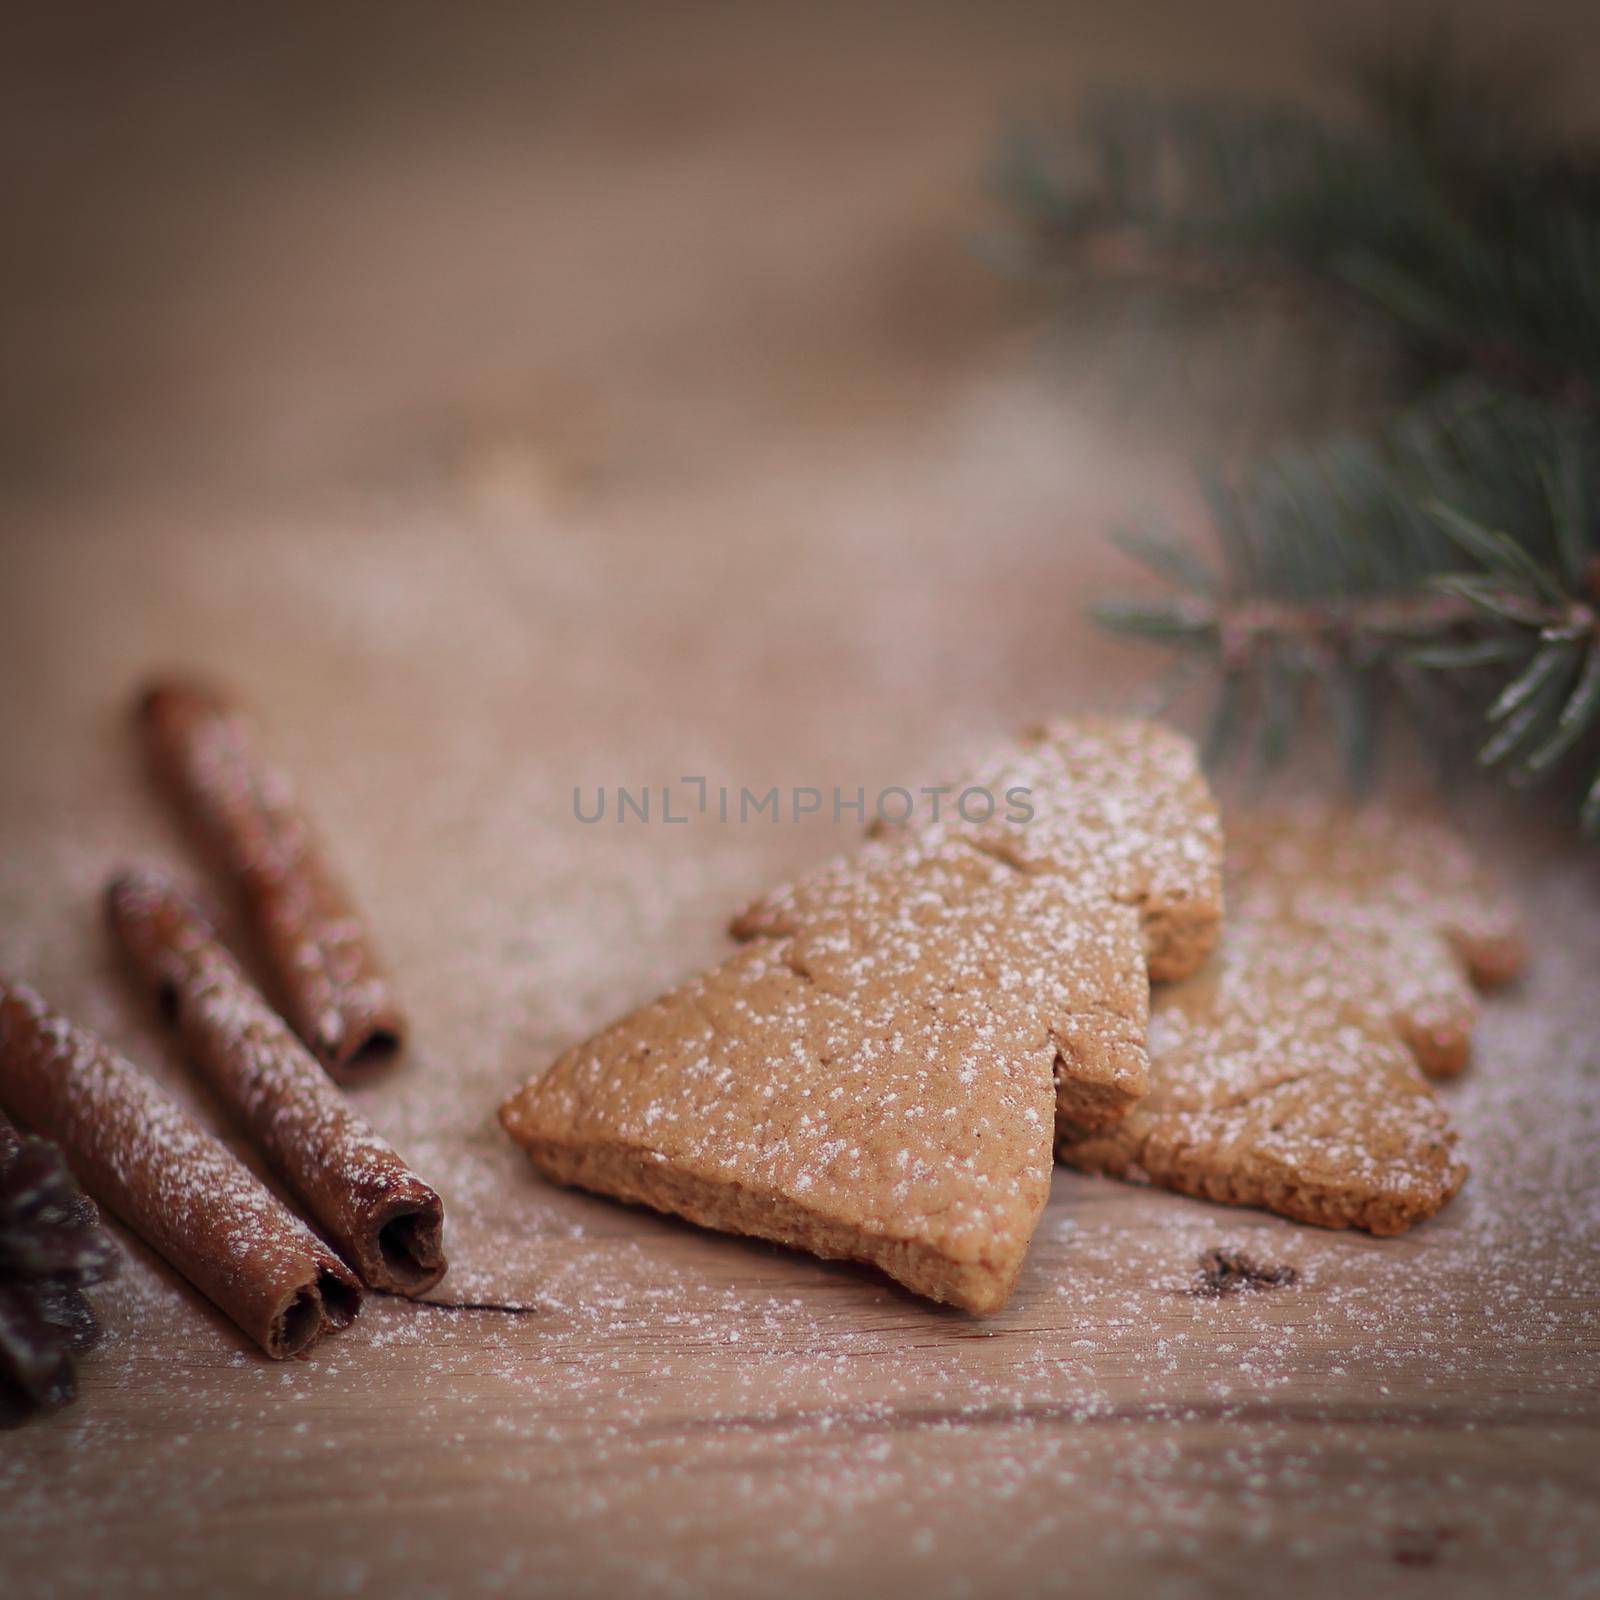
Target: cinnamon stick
[
  {"x": 184, "y": 1193},
  {"x": 384, "y": 1220},
  {"x": 325, "y": 976}
]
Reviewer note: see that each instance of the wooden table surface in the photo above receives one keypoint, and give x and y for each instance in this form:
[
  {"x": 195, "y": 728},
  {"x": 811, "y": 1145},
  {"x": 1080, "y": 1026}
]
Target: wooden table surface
[{"x": 514, "y": 401}]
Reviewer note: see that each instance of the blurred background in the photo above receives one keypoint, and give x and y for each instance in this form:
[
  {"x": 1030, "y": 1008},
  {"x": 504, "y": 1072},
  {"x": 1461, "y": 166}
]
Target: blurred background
[
  {"x": 509, "y": 398},
  {"x": 340, "y": 244},
  {"x": 683, "y": 283}
]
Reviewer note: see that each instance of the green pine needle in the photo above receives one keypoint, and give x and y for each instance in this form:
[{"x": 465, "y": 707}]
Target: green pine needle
[
  {"x": 1449, "y": 565},
  {"x": 1539, "y": 673},
  {"x": 1576, "y": 716}
]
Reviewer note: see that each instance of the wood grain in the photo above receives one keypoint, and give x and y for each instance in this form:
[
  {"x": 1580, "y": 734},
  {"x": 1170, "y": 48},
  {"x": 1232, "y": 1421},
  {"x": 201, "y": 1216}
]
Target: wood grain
[{"x": 567, "y": 400}]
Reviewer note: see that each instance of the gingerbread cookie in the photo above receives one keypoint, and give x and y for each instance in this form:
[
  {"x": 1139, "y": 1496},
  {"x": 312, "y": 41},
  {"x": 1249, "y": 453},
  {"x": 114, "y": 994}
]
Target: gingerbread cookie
[
  {"x": 1285, "y": 1073},
  {"x": 874, "y": 1076}
]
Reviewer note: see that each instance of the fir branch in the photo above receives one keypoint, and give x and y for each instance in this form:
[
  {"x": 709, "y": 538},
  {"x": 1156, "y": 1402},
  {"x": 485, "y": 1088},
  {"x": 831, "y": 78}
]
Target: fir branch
[
  {"x": 1447, "y": 207},
  {"x": 1458, "y": 549},
  {"x": 1450, "y": 566}
]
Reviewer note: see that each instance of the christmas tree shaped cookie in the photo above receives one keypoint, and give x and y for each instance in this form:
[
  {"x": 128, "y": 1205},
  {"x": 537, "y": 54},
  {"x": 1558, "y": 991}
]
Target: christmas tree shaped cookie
[
  {"x": 1285, "y": 1073},
  {"x": 878, "y": 1073}
]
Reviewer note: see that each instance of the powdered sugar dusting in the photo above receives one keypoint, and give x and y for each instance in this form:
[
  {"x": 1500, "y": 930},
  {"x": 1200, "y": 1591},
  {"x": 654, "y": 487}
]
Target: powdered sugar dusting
[
  {"x": 684, "y": 1413},
  {"x": 348, "y": 1178},
  {"x": 247, "y": 811},
  {"x": 876, "y": 1074},
  {"x": 1286, "y": 1074},
  {"x": 681, "y": 1412},
  {"x": 149, "y": 1162}
]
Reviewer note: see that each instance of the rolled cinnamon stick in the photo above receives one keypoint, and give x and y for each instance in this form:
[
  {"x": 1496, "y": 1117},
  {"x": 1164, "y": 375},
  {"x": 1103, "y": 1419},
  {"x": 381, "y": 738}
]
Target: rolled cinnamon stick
[
  {"x": 183, "y": 1192},
  {"x": 325, "y": 976},
  {"x": 383, "y": 1219}
]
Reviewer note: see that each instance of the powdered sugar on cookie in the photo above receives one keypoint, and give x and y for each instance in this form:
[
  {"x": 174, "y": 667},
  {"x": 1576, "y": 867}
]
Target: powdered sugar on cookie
[
  {"x": 877, "y": 1074},
  {"x": 1285, "y": 1074}
]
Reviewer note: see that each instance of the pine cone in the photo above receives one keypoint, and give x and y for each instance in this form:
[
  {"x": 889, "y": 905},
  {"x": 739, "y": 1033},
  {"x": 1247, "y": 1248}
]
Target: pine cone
[{"x": 51, "y": 1246}]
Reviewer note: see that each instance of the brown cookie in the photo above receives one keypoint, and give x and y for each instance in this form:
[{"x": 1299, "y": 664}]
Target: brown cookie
[
  {"x": 874, "y": 1075},
  {"x": 1285, "y": 1074}
]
